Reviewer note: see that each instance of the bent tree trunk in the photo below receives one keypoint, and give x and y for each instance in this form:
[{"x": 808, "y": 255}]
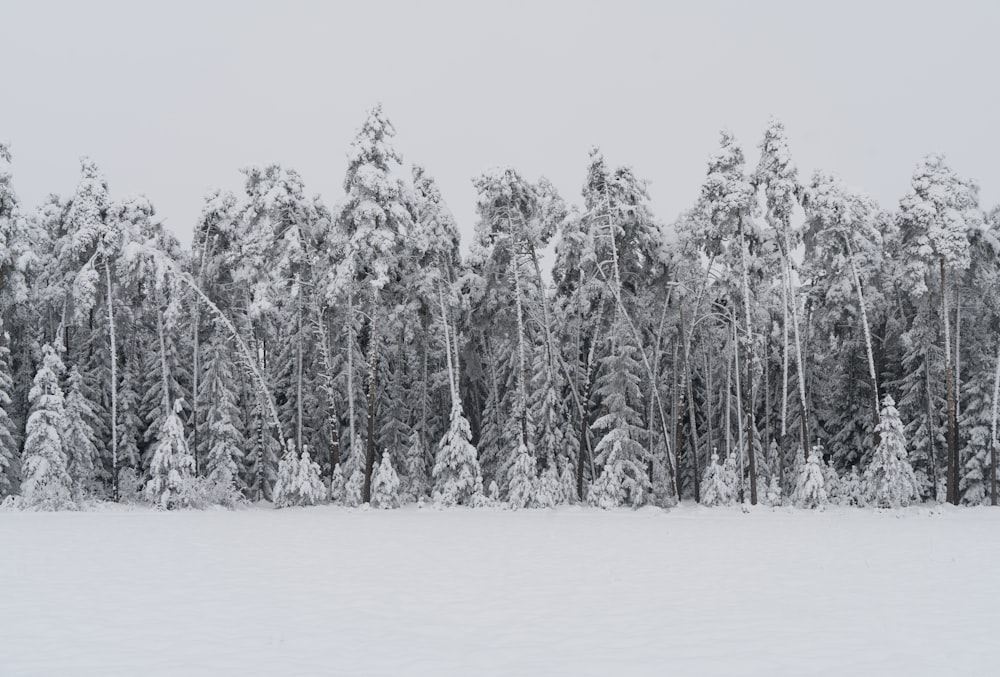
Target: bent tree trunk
[{"x": 866, "y": 328}]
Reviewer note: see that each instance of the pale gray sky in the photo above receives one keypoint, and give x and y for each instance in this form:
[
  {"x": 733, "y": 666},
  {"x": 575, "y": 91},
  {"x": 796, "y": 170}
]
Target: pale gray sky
[{"x": 172, "y": 98}]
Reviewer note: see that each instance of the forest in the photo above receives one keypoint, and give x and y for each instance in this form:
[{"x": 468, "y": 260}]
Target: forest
[{"x": 785, "y": 341}]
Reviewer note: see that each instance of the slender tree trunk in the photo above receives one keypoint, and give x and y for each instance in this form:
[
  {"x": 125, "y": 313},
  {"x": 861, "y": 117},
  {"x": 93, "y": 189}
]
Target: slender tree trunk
[
  {"x": 298, "y": 380},
  {"x": 958, "y": 378},
  {"x": 993, "y": 432},
  {"x": 349, "y": 329},
  {"x": 800, "y": 364},
  {"x": 195, "y": 373},
  {"x": 930, "y": 424},
  {"x": 114, "y": 383},
  {"x": 690, "y": 407},
  {"x": 739, "y": 408},
  {"x": 784, "y": 387},
  {"x": 709, "y": 403},
  {"x": 866, "y": 328},
  {"x": 366, "y": 491},
  {"x": 949, "y": 394},
  {"x": 522, "y": 388},
  {"x": 751, "y": 419}
]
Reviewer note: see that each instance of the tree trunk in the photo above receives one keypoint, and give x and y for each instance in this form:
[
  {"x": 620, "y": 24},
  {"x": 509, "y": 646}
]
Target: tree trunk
[
  {"x": 801, "y": 373},
  {"x": 522, "y": 386},
  {"x": 866, "y": 328},
  {"x": 350, "y": 374},
  {"x": 690, "y": 406},
  {"x": 949, "y": 394},
  {"x": 114, "y": 384},
  {"x": 739, "y": 407},
  {"x": 298, "y": 379},
  {"x": 993, "y": 432},
  {"x": 751, "y": 422},
  {"x": 366, "y": 491}
]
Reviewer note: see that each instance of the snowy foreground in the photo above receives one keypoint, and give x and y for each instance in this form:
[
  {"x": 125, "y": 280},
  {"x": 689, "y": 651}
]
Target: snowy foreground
[{"x": 334, "y": 591}]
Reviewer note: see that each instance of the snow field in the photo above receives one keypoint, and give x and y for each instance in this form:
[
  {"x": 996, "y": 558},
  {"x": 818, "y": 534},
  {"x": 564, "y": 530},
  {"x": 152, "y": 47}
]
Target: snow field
[{"x": 572, "y": 591}]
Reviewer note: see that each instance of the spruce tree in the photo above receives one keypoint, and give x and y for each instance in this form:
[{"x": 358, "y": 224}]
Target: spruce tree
[
  {"x": 79, "y": 441},
  {"x": 889, "y": 477},
  {"x": 8, "y": 434},
  {"x": 172, "y": 464},
  {"x": 457, "y": 478},
  {"x": 385, "y": 485},
  {"x": 46, "y": 483}
]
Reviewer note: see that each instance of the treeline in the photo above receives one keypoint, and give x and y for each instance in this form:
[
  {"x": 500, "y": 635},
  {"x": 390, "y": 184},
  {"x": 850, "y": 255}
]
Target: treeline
[{"x": 299, "y": 352}]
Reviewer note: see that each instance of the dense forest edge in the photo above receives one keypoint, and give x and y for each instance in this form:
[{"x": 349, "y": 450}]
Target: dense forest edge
[{"x": 785, "y": 341}]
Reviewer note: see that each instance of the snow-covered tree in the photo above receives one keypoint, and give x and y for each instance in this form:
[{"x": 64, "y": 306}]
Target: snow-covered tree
[
  {"x": 522, "y": 485},
  {"x": 810, "y": 486},
  {"x": 299, "y": 481},
  {"x": 46, "y": 483},
  {"x": 719, "y": 485},
  {"x": 889, "y": 477},
  {"x": 172, "y": 463},
  {"x": 385, "y": 485},
  {"x": 8, "y": 433},
  {"x": 83, "y": 456},
  {"x": 457, "y": 478},
  {"x": 934, "y": 220}
]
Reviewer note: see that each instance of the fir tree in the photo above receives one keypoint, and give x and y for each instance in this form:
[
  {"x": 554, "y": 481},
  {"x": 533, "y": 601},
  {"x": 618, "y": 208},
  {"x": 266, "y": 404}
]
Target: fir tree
[
  {"x": 889, "y": 477},
  {"x": 719, "y": 485},
  {"x": 299, "y": 481},
  {"x": 81, "y": 447},
  {"x": 385, "y": 485},
  {"x": 810, "y": 487},
  {"x": 172, "y": 464},
  {"x": 456, "y": 474},
  {"x": 46, "y": 483},
  {"x": 8, "y": 436}
]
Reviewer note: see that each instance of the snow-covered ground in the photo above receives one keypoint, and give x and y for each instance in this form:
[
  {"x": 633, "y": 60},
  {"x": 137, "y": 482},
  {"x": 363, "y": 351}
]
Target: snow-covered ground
[{"x": 332, "y": 591}]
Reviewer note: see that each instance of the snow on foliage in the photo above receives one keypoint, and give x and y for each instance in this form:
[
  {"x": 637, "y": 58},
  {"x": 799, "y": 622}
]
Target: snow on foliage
[
  {"x": 889, "y": 477},
  {"x": 172, "y": 463},
  {"x": 46, "y": 481},
  {"x": 810, "y": 486},
  {"x": 385, "y": 484},
  {"x": 456, "y": 474},
  {"x": 299, "y": 481}
]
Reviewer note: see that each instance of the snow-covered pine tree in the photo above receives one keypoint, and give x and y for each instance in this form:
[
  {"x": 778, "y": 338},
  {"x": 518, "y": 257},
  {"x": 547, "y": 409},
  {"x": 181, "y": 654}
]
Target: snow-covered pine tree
[
  {"x": 719, "y": 485},
  {"x": 728, "y": 204},
  {"x": 810, "y": 486},
  {"x": 385, "y": 485},
  {"x": 889, "y": 477},
  {"x": 376, "y": 218},
  {"x": 934, "y": 220},
  {"x": 457, "y": 478},
  {"x": 620, "y": 423},
  {"x": 522, "y": 483},
  {"x": 222, "y": 435},
  {"x": 171, "y": 464},
  {"x": 608, "y": 491},
  {"x": 8, "y": 435},
  {"x": 299, "y": 481},
  {"x": 45, "y": 482},
  {"x": 83, "y": 457}
]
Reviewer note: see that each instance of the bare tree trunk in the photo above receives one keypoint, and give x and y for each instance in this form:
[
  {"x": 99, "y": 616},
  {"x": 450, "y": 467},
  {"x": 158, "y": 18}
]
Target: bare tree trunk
[
  {"x": 675, "y": 412},
  {"x": 866, "y": 328},
  {"x": 949, "y": 394},
  {"x": 366, "y": 491},
  {"x": 751, "y": 419},
  {"x": 993, "y": 433},
  {"x": 690, "y": 406},
  {"x": 350, "y": 373},
  {"x": 958, "y": 376},
  {"x": 114, "y": 383},
  {"x": 522, "y": 388},
  {"x": 739, "y": 407},
  {"x": 804, "y": 420},
  {"x": 298, "y": 380}
]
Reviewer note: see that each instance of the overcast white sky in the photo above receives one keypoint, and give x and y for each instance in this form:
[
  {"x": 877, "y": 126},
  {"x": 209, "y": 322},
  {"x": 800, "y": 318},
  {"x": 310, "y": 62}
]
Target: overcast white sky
[{"x": 172, "y": 98}]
